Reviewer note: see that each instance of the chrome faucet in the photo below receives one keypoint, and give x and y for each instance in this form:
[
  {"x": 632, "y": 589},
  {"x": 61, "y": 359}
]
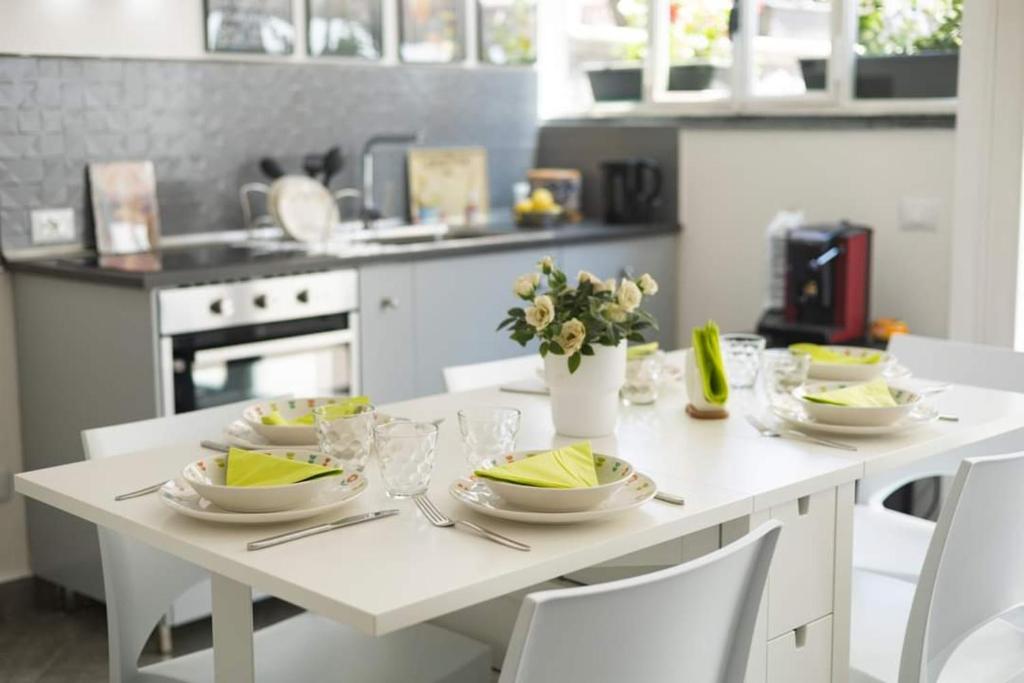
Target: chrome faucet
[{"x": 370, "y": 212}]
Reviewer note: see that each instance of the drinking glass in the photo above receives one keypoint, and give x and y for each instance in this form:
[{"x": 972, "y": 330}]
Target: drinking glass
[
  {"x": 405, "y": 453},
  {"x": 348, "y": 438},
  {"x": 642, "y": 377},
  {"x": 782, "y": 371},
  {"x": 488, "y": 433},
  {"x": 742, "y": 355}
]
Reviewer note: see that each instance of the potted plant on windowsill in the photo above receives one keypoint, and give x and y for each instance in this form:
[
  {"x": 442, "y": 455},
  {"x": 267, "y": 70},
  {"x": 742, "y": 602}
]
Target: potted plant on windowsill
[
  {"x": 582, "y": 330},
  {"x": 905, "y": 51}
]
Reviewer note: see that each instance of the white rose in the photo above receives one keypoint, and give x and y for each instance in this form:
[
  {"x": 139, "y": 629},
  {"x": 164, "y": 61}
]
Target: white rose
[
  {"x": 648, "y": 285},
  {"x": 541, "y": 313},
  {"x": 629, "y": 295},
  {"x": 596, "y": 282},
  {"x": 572, "y": 336},
  {"x": 615, "y": 312},
  {"x": 609, "y": 285},
  {"x": 546, "y": 264},
  {"x": 526, "y": 284}
]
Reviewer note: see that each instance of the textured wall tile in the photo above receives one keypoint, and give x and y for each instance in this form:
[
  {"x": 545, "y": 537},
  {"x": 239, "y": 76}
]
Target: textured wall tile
[{"x": 29, "y": 121}]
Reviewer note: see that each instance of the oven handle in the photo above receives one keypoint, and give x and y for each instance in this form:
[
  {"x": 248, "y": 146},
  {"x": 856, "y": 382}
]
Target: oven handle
[{"x": 273, "y": 347}]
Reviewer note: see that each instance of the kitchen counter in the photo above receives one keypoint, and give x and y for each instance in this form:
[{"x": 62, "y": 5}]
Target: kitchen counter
[{"x": 220, "y": 262}]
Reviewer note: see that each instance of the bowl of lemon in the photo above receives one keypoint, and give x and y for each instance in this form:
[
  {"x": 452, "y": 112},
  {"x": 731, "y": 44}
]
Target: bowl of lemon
[{"x": 539, "y": 210}]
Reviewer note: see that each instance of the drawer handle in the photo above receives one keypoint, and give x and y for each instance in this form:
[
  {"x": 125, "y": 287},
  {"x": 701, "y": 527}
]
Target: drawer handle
[
  {"x": 803, "y": 505},
  {"x": 800, "y": 636},
  {"x": 388, "y": 304}
]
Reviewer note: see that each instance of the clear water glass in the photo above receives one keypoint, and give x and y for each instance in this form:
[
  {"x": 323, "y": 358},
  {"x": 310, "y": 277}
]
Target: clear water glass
[
  {"x": 348, "y": 438},
  {"x": 488, "y": 433},
  {"x": 405, "y": 453},
  {"x": 782, "y": 371},
  {"x": 741, "y": 354},
  {"x": 642, "y": 378}
]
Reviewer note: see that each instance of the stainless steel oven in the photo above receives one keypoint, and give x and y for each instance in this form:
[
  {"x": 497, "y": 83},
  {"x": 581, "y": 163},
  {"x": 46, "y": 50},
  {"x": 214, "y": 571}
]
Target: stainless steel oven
[{"x": 294, "y": 334}]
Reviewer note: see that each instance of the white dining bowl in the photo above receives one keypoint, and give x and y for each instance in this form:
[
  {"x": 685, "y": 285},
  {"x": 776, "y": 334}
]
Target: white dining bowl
[
  {"x": 208, "y": 475},
  {"x": 290, "y": 409},
  {"x": 846, "y": 372},
  {"x": 612, "y": 474},
  {"x": 856, "y": 416}
]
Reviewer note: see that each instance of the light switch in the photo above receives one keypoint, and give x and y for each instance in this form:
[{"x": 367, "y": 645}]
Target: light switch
[
  {"x": 51, "y": 226},
  {"x": 920, "y": 214}
]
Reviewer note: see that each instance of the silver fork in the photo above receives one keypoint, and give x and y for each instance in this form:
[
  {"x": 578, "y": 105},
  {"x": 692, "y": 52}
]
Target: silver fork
[
  {"x": 765, "y": 430},
  {"x": 439, "y": 519}
]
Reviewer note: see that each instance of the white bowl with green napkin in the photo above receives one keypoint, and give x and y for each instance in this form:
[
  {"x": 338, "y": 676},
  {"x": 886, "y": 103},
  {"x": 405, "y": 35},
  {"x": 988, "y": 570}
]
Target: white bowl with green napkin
[
  {"x": 865, "y": 404},
  {"x": 290, "y": 421},
  {"x": 567, "y": 479},
  {"x": 844, "y": 363},
  {"x": 270, "y": 480}
]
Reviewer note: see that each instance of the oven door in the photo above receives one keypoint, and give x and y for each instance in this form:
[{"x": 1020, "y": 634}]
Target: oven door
[{"x": 207, "y": 369}]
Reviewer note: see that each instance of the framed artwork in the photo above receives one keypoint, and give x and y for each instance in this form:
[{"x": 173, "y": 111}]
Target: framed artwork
[
  {"x": 250, "y": 26},
  {"x": 432, "y": 31},
  {"x": 448, "y": 185},
  {"x": 345, "y": 28},
  {"x": 508, "y": 31},
  {"x": 124, "y": 208}
]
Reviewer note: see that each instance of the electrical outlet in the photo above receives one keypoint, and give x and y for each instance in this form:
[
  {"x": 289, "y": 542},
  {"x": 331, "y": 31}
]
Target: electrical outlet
[
  {"x": 51, "y": 226},
  {"x": 6, "y": 484},
  {"x": 920, "y": 214}
]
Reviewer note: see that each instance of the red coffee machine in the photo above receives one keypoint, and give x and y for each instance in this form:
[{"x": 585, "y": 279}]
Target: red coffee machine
[{"x": 828, "y": 275}]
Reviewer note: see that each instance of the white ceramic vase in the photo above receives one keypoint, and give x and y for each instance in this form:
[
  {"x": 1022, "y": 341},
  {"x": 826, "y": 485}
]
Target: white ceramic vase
[{"x": 586, "y": 403}]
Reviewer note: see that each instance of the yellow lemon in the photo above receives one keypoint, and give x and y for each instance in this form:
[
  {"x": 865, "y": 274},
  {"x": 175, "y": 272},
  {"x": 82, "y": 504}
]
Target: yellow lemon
[
  {"x": 524, "y": 206},
  {"x": 542, "y": 199}
]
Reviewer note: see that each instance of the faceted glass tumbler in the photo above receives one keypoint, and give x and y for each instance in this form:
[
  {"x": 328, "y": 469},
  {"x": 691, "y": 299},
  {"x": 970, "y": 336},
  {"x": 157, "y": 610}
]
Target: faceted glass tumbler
[
  {"x": 488, "y": 433},
  {"x": 642, "y": 378},
  {"x": 741, "y": 354},
  {"x": 781, "y": 372},
  {"x": 405, "y": 453},
  {"x": 348, "y": 438}
]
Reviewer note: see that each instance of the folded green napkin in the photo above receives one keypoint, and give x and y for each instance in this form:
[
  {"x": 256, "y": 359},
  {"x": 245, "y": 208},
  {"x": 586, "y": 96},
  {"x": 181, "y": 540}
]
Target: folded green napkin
[
  {"x": 873, "y": 394},
  {"x": 349, "y": 406},
  {"x": 709, "y": 361},
  {"x": 571, "y": 467},
  {"x": 641, "y": 350},
  {"x": 823, "y": 354},
  {"x": 250, "y": 468}
]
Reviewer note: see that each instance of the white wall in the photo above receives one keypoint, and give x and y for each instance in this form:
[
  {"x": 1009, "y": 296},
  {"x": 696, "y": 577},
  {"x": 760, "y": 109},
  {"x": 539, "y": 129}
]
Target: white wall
[
  {"x": 732, "y": 183},
  {"x": 13, "y": 545}
]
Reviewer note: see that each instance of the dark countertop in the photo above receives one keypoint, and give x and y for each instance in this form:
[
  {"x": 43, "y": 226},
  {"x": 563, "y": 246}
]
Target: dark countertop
[{"x": 222, "y": 262}]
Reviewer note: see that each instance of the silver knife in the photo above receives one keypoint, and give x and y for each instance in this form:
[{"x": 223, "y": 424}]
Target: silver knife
[
  {"x": 818, "y": 440},
  {"x": 318, "y": 529}
]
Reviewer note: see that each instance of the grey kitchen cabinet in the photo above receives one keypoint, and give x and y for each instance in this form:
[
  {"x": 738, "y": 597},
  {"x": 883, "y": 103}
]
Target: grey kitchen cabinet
[
  {"x": 655, "y": 255},
  {"x": 387, "y": 333}
]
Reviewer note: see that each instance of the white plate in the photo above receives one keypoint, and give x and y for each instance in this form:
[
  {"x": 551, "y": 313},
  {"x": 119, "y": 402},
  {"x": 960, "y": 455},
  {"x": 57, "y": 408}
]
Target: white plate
[
  {"x": 182, "y": 498},
  {"x": 303, "y": 207},
  {"x": 795, "y": 415},
  {"x": 855, "y": 416},
  {"x": 841, "y": 372},
  {"x": 612, "y": 474},
  {"x": 472, "y": 493}
]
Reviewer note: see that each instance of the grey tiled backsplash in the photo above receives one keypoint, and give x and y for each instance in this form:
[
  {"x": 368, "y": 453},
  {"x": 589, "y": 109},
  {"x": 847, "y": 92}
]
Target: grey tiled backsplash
[{"x": 205, "y": 124}]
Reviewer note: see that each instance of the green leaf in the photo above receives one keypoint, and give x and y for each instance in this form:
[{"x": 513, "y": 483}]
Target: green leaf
[
  {"x": 635, "y": 336},
  {"x": 505, "y": 323},
  {"x": 516, "y": 312},
  {"x": 556, "y": 348},
  {"x": 574, "y": 362},
  {"x": 587, "y": 350},
  {"x": 543, "y": 349}
]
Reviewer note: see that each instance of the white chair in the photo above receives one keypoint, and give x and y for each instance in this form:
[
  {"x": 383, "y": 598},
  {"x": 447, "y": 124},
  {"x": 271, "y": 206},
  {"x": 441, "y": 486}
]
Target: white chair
[
  {"x": 491, "y": 373},
  {"x": 892, "y": 543},
  {"x": 141, "y": 582},
  {"x": 693, "y": 622},
  {"x": 953, "y": 626}
]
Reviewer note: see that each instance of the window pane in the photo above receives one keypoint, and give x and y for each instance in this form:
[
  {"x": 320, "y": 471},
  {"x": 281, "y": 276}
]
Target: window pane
[
  {"x": 433, "y": 31},
  {"x": 345, "y": 28},
  {"x": 607, "y": 47},
  {"x": 792, "y": 45},
  {"x": 700, "y": 47},
  {"x": 908, "y": 48},
  {"x": 508, "y": 31}
]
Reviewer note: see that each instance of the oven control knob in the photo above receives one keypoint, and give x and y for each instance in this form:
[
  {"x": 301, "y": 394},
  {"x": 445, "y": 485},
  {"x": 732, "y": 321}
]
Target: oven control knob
[
  {"x": 303, "y": 296},
  {"x": 222, "y": 307},
  {"x": 260, "y": 301}
]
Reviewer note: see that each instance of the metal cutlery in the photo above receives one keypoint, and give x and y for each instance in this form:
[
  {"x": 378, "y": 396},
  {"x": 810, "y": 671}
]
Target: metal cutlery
[
  {"x": 439, "y": 519},
  {"x": 215, "y": 446},
  {"x": 949, "y": 418},
  {"x": 764, "y": 430},
  {"x": 670, "y": 498},
  {"x": 318, "y": 529}
]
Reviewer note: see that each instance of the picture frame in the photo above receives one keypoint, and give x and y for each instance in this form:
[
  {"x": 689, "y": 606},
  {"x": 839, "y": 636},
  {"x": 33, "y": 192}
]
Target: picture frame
[
  {"x": 126, "y": 216},
  {"x": 448, "y": 185},
  {"x": 345, "y": 28},
  {"x": 263, "y": 27}
]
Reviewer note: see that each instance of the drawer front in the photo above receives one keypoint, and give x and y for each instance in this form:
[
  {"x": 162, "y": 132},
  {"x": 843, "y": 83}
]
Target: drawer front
[
  {"x": 803, "y": 654},
  {"x": 666, "y": 554},
  {"x": 800, "y": 584}
]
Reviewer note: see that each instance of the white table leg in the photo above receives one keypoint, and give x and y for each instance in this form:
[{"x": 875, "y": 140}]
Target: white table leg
[
  {"x": 232, "y": 631},
  {"x": 841, "y": 604}
]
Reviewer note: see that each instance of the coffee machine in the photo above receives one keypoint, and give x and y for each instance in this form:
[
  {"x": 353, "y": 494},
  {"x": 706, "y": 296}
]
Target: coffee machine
[
  {"x": 828, "y": 275},
  {"x": 632, "y": 190}
]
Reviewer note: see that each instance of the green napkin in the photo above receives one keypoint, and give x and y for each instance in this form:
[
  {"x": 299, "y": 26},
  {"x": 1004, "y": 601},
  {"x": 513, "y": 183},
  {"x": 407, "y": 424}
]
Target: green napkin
[
  {"x": 823, "y": 354},
  {"x": 641, "y": 350},
  {"x": 873, "y": 394},
  {"x": 571, "y": 467},
  {"x": 349, "y": 406},
  {"x": 250, "y": 468},
  {"x": 709, "y": 361}
]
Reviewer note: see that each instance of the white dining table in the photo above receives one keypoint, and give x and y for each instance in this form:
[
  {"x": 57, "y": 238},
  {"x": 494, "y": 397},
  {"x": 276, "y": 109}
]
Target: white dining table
[{"x": 401, "y": 571}]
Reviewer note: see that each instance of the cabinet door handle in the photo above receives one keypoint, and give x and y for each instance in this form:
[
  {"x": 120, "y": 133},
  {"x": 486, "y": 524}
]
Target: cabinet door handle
[{"x": 388, "y": 303}]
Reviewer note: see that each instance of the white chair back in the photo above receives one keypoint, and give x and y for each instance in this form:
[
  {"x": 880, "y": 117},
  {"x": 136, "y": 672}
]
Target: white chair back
[
  {"x": 972, "y": 572},
  {"x": 491, "y": 373},
  {"x": 140, "y": 581},
  {"x": 693, "y": 622}
]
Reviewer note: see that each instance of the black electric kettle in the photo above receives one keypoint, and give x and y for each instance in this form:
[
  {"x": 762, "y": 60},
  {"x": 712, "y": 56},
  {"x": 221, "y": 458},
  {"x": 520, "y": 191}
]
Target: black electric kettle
[{"x": 632, "y": 188}]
